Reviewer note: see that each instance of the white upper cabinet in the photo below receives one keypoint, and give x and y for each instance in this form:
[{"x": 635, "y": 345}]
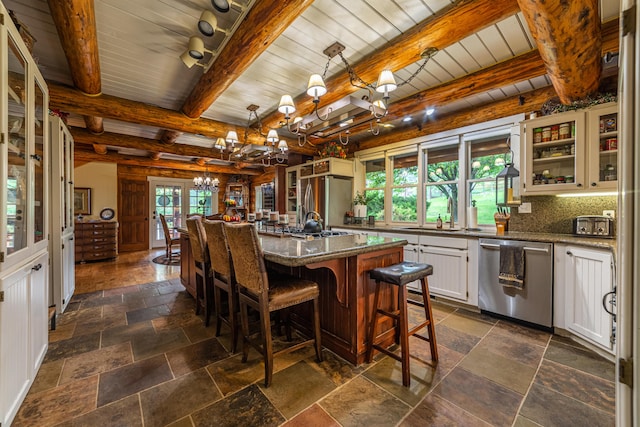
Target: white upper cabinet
[
  {"x": 570, "y": 152},
  {"x": 24, "y": 153}
]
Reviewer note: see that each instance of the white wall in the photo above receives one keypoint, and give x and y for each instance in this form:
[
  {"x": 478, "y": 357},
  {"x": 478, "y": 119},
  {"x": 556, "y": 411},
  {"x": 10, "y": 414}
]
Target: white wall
[{"x": 102, "y": 179}]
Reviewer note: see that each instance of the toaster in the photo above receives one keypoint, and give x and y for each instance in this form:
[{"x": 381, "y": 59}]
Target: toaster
[{"x": 593, "y": 226}]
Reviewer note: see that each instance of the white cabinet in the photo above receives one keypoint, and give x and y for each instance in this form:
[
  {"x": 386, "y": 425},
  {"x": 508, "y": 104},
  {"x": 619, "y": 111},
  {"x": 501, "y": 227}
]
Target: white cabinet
[
  {"x": 602, "y": 122},
  {"x": 570, "y": 152},
  {"x": 553, "y": 161},
  {"x": 449, "y": 258},
  {"x": 24, "y": 151},
  {"x": 62, "y": 221},
  {"x": 583, "y": 277},
  {"x": 23, "y": 332},
  {"x": 24, "y": 234}
]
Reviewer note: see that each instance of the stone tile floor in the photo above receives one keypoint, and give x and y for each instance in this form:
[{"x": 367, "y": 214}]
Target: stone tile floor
[{"x": 138, "y": 356}]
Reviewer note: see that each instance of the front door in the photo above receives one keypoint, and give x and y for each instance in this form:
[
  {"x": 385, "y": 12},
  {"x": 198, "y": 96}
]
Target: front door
[
  {"x": 133, "y": 215},
  {"x": 167, "y": 201}
]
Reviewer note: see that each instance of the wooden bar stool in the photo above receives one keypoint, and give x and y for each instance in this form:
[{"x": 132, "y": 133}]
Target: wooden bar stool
[
  {"x": 200, "y": 252},
  {"x": 399, "y": 275}
]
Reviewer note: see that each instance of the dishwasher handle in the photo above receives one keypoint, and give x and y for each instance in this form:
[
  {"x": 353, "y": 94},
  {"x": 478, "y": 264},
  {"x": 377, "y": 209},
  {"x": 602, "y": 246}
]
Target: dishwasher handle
[{"x": 526, "y": 248}]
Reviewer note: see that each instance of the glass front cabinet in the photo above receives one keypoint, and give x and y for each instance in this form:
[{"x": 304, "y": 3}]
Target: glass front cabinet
[
  {"x": 603, "y": 146},
  {"x": 24, "y": 235},
  {"x": 570, "y": 152}
]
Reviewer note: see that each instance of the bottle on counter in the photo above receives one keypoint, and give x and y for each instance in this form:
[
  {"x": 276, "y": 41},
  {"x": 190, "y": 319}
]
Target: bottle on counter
[{"x": 439, "y": 222}]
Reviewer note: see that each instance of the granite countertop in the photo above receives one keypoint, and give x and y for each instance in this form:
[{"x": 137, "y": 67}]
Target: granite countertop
[
  {"x": 296, "y": 252},
  {"x": 594, "y": 242}
]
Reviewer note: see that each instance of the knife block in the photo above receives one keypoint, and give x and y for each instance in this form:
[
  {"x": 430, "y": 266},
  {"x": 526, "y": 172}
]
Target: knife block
[{"x": 502, "y": 223}]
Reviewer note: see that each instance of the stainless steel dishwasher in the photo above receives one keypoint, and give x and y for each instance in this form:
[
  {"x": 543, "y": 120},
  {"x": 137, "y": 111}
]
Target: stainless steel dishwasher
[{"x": 533, "y": 303}]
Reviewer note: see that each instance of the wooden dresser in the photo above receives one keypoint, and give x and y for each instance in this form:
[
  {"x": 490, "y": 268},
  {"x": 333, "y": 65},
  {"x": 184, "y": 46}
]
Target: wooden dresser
[{"x": 96, "y": 240}]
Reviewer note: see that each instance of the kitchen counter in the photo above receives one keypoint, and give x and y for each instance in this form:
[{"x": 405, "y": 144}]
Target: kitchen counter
[
  {"x": 297, "y": 252},
  {"x": 340, "y": 265},
  {"x": 510, "y": 235}
]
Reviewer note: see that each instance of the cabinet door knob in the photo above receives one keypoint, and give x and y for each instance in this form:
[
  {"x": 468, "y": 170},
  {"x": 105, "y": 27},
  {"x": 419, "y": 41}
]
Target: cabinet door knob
[
  {"x": 578, "y": 185},
  {"x": 593, "y": 184},
  {"x": 569, "y": 253},
  {"x": 36, "y": 267}
]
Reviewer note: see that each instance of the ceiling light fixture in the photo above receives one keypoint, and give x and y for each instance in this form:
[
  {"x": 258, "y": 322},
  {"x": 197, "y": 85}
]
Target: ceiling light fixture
[
  {"x": 223, "y": 6},
  {"x": 430, "y": 111},
  {"x": 205, "y": 183},
  {"x": 195, "y": 52},
  {"x": 273, "y": 148},
  {"x": 316, "y": 88},
  {"x": 208, "y": 24}
]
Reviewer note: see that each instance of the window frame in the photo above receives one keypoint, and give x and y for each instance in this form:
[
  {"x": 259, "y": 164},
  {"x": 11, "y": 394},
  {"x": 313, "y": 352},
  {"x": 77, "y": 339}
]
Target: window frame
[{"x": 391, "y": 156}]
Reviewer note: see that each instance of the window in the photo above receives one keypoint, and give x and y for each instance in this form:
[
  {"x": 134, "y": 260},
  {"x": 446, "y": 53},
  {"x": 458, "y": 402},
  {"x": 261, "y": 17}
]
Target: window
[
  {"x": 375, "y": 181},
  {"x": 404, "y": 189},
  {"x": 487, "y": 160},
  {"x": 200, "y": 202},
  {"x": 441, "y": 183}
]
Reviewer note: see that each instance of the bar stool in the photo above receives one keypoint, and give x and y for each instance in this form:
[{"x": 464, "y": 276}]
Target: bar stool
[
  {"x": 204, "y": 288},
  {"x": 223, "y": 278},
  {"x": 267, "y": 293},
  {"x": 399, "y": 275}
]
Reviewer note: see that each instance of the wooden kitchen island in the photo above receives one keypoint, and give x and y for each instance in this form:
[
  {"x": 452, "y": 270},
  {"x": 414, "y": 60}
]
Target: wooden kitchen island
[{"x": 340, "y": 265}]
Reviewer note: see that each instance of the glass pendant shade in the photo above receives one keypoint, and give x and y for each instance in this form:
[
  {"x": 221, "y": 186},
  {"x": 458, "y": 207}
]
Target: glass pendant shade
[
  {"x": 286, "y": 105},
  {"x": 196, "y": 47},
  {"x": 272, "y": 136},
  {"x": 507, "y": 185},
  {"x": 208, "y": 23},
  {"x": 316, "y": 86},
  {"x": 386, "y": 82}
]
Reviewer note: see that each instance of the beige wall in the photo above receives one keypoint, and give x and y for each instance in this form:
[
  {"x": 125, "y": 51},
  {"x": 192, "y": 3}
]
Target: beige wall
[{"x": 102, "y": 179}]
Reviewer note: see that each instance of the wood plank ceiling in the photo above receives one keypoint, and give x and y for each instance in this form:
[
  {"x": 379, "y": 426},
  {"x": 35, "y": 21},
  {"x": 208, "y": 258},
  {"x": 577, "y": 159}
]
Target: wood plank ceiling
[{"x": 156, "y": 109}]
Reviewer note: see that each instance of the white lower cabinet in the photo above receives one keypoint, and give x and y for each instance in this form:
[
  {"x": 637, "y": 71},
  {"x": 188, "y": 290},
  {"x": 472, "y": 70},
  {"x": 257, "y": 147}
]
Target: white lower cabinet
[
  {"x": 63, "y": 280},
  {"x": 583, "y": 277},
  {"x": 23, "y": 331},
  {"x": 449, "y": 258}
]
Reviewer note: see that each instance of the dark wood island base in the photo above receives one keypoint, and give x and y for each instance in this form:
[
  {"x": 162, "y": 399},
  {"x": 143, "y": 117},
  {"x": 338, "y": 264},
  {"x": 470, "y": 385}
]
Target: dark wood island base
[{"x": 341, "y": 266}]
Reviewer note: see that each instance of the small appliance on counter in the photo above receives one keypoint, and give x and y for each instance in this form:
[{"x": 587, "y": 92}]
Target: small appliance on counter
[{"x": 593, "y": 226}]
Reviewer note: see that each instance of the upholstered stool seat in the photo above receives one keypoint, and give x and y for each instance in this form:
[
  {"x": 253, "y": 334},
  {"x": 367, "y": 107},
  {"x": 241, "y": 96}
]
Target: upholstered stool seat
[{"x": 400, "y": 275}]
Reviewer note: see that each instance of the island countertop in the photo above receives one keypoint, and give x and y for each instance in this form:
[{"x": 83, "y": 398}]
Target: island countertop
[{"x": 297, "y": 252}]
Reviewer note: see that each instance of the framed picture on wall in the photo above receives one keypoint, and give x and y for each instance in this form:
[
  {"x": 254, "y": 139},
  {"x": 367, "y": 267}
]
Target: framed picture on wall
[{"x": 81, "y": 201}]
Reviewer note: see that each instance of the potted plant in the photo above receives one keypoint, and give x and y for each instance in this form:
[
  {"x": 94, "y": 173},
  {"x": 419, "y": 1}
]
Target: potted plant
[{"x": 360, "y": 205}]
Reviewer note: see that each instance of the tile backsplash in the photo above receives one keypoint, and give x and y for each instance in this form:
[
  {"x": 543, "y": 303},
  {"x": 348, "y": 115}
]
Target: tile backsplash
[{"x": 550, "y": 214}]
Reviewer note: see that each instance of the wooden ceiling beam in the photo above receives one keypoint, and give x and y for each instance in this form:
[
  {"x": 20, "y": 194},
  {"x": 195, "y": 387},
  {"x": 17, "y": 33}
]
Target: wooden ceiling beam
[
  {"x": 533, "y": 100},
  {"x": 262, "y": 25},
  {"x": 443, "y": 29},
  {"x": 85, "y": 156},
  {"x": 75, "y": 22},
  {"x": 569, "y": 39},
  {"x": 523, "y": 67},
  {"x": 71, "y": 100},
  {"x": 83, "y": 136}
]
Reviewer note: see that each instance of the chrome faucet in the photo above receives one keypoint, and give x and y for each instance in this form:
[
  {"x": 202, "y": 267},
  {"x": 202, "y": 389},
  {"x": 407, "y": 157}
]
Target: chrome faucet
[{"x": 450, "y": 211}]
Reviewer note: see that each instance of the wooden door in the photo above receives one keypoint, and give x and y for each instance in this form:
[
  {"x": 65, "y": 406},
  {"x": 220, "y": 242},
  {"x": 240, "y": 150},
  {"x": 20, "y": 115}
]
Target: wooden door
[{"x": 133, "y": 214}]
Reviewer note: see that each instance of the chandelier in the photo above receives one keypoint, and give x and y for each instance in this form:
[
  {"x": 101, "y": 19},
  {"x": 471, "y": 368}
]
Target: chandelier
[
  {"x": 206, "y": 183},
  {"x": 274, "y": 148},
  {"x": 347, "y": 112}
]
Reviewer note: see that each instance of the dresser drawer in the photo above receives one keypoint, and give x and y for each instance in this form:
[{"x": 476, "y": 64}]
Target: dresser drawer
[{"x": 88, "y": 256}]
